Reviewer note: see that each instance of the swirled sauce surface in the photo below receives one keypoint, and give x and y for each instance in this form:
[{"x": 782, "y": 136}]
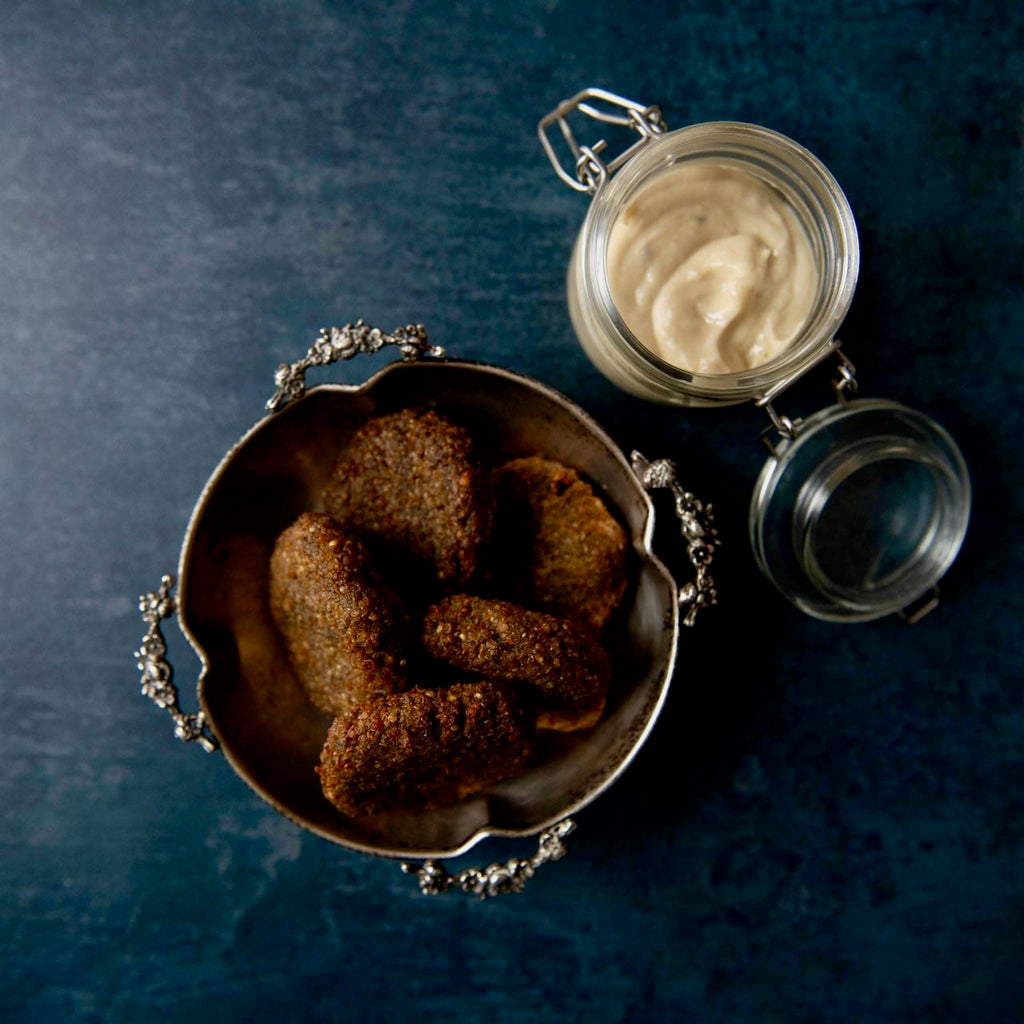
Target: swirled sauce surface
[{"x": 711, "y": 269}]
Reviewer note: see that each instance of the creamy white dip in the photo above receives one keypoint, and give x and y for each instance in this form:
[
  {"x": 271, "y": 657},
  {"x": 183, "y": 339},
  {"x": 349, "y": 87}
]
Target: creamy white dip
[{"x": 710, "y": 268}]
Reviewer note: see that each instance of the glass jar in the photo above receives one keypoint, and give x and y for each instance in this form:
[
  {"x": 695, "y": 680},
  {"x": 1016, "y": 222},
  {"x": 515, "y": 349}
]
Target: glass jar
[
  {"x": 864, "y": 505},
  {"x": 806, "y": 187}
]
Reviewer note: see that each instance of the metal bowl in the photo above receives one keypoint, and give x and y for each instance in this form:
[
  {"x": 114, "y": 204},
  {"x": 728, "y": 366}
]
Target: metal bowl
[{"x": 255, "y": 709}]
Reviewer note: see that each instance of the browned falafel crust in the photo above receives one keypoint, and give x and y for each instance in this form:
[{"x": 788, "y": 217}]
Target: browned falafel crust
[
  {"x": 345, "y": 630},
  {"x": 565, "y": 669},
  {"x": 560, "y": 549},
  {"x": 410, "y": 482},
  {"x": 424, "y": 748}
]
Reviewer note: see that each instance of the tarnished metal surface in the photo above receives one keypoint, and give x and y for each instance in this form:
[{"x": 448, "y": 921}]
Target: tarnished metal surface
[{"x": 249, "y": 699}]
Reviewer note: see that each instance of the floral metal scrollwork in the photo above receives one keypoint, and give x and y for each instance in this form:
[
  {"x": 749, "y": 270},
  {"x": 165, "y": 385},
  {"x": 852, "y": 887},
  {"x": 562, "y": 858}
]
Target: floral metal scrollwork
[
  {"x": 157, "y": 673},
  {"x": 345, "y": 342},
  {"x": 697, "y": 524},
  {"x": 495, "y": 879}
]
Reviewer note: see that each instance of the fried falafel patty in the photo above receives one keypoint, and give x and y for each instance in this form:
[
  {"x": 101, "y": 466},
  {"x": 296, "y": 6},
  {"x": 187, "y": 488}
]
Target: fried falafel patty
[
  {"x": 559, "y": 548},
  {"x": 562, "y": 666},
  {"x": 347, "y": 633},
  {"x": 410, "y": 482},
  {"x": 424, "y": 748}
]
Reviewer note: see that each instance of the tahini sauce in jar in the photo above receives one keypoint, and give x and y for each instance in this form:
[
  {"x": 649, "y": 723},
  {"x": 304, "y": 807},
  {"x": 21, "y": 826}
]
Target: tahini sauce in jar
[{"x": 710, "y": 268}]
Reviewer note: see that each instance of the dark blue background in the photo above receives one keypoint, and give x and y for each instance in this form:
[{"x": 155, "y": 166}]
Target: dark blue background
[{"x": 827, "y": 823}]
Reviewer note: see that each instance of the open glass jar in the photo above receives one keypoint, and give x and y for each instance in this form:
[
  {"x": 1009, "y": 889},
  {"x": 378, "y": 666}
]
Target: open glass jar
[
  {"x": 862, "y": 507},
  {"x": 807, "y": 188}
]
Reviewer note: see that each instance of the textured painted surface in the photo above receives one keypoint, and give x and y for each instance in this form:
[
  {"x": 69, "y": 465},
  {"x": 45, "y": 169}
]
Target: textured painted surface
[{"x": 827, "y": 824}]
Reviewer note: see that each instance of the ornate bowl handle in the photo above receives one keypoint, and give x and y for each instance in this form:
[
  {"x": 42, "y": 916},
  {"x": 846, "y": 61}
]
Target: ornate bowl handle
[
  {"x": 343, "y": 343},
  {"x": 495, "y": 879},
  {"x": 697, "y": 524},
  {"x": 156, "y": 671}
]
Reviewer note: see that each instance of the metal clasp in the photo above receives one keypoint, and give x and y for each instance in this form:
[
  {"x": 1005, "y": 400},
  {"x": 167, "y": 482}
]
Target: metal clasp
[
  {"x": 782, "y": 425},
  {"x": 846, "y": 380},
  {"x": 924, "y": 605},
  {"x": 590, "y": 170},
  {"x": 845, "y": 383}
]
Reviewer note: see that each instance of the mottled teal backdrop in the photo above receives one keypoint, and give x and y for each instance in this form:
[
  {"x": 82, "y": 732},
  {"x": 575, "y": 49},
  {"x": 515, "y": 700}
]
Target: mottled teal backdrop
[{"x": 827, "y": 824}]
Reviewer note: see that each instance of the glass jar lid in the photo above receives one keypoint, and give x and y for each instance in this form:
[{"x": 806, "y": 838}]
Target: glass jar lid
[{"x": 861, "y": 511}]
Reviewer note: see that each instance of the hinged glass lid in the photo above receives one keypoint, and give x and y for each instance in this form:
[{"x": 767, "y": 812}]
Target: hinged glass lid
[{"x": 860, "y": 510}]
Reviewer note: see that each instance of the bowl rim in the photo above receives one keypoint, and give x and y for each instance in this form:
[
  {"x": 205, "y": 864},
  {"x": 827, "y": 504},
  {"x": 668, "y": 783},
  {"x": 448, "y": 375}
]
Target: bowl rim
[{"x": 642, "y": 543}]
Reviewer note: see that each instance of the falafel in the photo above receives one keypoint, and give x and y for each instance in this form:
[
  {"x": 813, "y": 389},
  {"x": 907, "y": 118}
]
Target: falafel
[
  {"x": 559, "y": 548},
  {"x": 411, "y": 484},
  {"x": 424, "y": 748},
  {"x": 563, "y": 668},
  {"x": 347, "y": 633}
]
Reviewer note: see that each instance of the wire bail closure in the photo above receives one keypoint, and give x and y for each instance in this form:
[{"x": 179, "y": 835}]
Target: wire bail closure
[
  {"x": 590, "y": 170},
  {"x": 844, "y": 384}
]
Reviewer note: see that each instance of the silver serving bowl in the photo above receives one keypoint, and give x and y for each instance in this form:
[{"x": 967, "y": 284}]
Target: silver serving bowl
[{"x": 254, "y": 709}]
